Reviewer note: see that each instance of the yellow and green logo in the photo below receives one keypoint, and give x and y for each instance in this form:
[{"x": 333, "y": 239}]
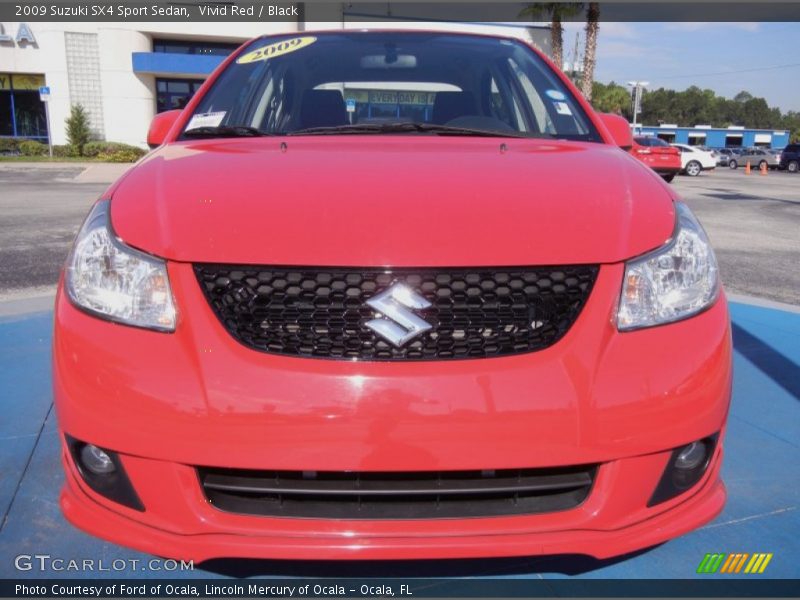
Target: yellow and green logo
[{"x": 734, "y": 563}]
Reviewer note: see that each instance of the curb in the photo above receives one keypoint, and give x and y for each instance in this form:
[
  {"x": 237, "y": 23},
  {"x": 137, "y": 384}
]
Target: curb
[
  {"x": 28, "y": 305},
  {"x": 763, "y": 303}
]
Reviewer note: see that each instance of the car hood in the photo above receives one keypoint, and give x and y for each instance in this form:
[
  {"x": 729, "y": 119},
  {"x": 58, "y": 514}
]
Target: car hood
[{"x": 392, "y": 201}]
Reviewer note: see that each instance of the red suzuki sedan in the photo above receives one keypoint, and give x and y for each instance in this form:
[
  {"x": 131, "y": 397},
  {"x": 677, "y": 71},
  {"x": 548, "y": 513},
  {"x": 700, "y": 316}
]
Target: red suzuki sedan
[
  {"x": 390, "y": 295},
  {"x": 658, "y": 155}
]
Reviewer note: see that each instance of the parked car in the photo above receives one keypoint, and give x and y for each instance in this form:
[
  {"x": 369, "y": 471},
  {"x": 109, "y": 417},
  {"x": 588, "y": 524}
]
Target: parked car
[
  {"x": 713, "y": 151},
  {"x": 292, "y": 332},
  {"x": 755, "y": 156},
  {"x": 658, "y": 155},
  {"x": 694, "y": 161},
  {"x": 724, "y": 156},
  {"x": 790, "y": 158}
]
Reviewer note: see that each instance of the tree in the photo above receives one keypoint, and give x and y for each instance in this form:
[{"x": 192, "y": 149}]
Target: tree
[
  {"x": 791, "y": 121},
  {"x": 756, "y": 113},
  {"x": 556, "y": 12},
  {"x": 78, "y": 132},
  {"x": 611, "y": 98},
  {"x": 695, "y": 106},
  {"x": 589, "y": 56}
]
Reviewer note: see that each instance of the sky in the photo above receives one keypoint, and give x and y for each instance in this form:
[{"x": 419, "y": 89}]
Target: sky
[{"x": 719, "y": 56}]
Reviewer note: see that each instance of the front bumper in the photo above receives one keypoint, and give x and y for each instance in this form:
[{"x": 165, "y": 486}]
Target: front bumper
[
  {"x": 169, "y": 402},
  {"x": 219, "y": 535},
  {"x": 662, "y": 165}
]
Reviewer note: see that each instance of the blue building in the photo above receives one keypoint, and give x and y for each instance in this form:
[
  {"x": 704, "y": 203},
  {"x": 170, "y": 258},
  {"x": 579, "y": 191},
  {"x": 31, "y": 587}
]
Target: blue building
[{"x": 718, "y": 137}]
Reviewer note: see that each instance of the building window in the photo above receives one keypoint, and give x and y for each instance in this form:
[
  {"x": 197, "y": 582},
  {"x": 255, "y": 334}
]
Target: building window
[
  {"x": 733, "y": 141},
  {"x": 22, "y": 114},
  {"x": 6, "y": 114},
  {"x": 194, "y": 47},
  {"x": 175, "y": 93},
  {"x": 697, "y": 139}
]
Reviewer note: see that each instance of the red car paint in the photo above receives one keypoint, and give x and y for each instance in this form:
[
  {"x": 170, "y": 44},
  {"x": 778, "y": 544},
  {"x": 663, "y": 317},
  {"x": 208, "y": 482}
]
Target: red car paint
[
  {"x": 663, "y": 159},
  {"x": 167, "y": 402},
  {"x": 450, "y": 184}
]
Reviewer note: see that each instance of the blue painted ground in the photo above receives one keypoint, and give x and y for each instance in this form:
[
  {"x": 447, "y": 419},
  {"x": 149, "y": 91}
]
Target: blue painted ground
[{"x": 762, "y": 471}]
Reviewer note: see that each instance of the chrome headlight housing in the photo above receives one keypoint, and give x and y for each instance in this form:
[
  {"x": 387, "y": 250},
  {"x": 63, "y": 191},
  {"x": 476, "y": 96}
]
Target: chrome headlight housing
[
  {"x": 113, "y": 281},
  {"x": 678, "y": 280}
]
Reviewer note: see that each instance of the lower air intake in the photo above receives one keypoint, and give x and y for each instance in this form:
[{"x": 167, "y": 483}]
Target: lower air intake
[{"x": 397, "y": 495}]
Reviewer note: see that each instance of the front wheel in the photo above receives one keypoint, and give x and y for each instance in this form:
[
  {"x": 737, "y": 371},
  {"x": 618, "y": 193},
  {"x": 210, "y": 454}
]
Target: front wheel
[
  {"x": 668, "y": 177},
  {"x": 733, "y": 164},
  {"x": 793, "y": 166},
  {"x": 694, "y": 168}
]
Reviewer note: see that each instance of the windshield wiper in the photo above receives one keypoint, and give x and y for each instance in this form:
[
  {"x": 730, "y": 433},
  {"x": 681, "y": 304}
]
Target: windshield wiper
[
  {"x": 225, "y": 131},
  {"x": 379, "y": 128}
]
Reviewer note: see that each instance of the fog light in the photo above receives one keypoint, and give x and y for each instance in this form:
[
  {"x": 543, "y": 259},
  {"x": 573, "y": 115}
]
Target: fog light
[
  {"x": 685, "y": 468},
  {"x": 96, "y": 460},
  {"x": 103, "y": 471},
  {"x": 691, "y": 456}
]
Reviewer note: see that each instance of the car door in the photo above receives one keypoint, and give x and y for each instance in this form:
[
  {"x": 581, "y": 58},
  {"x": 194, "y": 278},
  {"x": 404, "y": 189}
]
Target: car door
[{"x": 685, "y": 152}]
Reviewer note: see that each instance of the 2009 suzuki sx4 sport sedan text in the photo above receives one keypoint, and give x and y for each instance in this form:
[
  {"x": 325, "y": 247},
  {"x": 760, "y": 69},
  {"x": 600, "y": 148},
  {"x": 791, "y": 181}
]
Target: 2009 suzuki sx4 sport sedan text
[{"x": 383, "y": 294}]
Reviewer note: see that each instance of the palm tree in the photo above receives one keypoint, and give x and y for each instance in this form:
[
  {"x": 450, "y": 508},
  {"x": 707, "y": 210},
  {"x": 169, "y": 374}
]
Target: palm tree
[
  {"x": 590, "y": 54},
  {"x": 556, "y": 12}
]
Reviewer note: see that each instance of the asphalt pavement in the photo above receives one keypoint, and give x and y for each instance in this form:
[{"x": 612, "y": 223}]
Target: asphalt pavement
[
  {"x": 754, "y": 225},
  {"x": 753, "y": 222},
  {"x": 41, "y": 209}
]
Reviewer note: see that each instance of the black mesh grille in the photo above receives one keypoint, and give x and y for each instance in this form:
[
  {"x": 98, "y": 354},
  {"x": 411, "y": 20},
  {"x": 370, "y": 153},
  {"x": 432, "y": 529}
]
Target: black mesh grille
[
  {"x": 321, "y": 312},
  {"x": 397, "y": 495}
]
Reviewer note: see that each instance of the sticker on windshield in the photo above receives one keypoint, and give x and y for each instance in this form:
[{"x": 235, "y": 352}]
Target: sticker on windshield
[
  {"x": 211, "y": 119},
  {"x": 556, "y": 95},
  {"x": 562, "y": 108},
  {"x": 276, "y": 49}
]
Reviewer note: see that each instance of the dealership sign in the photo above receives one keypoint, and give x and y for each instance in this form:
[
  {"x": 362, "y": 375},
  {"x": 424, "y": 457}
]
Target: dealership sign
[
  {"x": 24, "y": 35},
  {"x": 21, "y": 81}
]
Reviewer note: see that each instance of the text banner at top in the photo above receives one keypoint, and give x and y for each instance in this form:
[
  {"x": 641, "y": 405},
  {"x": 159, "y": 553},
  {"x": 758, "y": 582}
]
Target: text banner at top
[{"x": 398, "y": 10}]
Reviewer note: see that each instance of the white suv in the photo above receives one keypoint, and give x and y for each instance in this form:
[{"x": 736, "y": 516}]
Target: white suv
[{"x": 694, "y": 161}]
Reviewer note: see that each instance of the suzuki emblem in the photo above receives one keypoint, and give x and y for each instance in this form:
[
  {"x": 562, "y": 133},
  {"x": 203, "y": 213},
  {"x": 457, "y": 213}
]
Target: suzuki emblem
[{"x": 397, "y": 322}]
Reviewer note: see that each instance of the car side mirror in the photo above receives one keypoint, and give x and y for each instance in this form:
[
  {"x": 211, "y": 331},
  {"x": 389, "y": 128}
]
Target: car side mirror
[
  {"x": 619, "y": 129},
  {"x": 160, "y": 126}
]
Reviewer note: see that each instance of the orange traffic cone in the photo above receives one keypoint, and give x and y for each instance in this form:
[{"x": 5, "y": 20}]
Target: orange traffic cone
[
  {"x": 763, "y": 168},
  {"x": 747, "y": 168}
]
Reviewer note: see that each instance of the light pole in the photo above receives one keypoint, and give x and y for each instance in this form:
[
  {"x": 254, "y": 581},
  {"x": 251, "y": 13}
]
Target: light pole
[{"x": 638, "y": 88}]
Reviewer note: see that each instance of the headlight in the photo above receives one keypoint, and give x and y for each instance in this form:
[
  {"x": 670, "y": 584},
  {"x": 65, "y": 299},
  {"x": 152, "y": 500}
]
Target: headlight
[
  {"x": 672, "y": 283},
  {"x": 107, "y": 278}
]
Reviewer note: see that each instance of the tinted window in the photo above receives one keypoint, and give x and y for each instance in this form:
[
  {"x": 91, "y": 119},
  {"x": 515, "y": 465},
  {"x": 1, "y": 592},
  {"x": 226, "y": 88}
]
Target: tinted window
[
  {"x": 193, "y": 47},
  {"x": 287, "y": 84},
  {"x": 175, "y": 93}
]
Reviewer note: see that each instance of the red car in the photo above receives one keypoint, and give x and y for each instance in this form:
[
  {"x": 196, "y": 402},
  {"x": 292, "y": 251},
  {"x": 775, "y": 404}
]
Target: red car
[
  {"x": 382, "y": 295},
  {"x": 658, "y": 155}
]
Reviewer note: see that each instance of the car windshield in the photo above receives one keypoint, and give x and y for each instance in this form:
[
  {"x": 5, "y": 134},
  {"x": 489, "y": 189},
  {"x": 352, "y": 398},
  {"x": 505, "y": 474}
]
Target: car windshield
[{"x": 378, "y": 82}]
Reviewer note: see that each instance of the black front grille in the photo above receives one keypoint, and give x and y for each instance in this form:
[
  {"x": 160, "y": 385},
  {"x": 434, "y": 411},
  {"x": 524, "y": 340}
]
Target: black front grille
[
  {"x": 322, "y": 312},
  {"x": 397, "y": 495}
]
